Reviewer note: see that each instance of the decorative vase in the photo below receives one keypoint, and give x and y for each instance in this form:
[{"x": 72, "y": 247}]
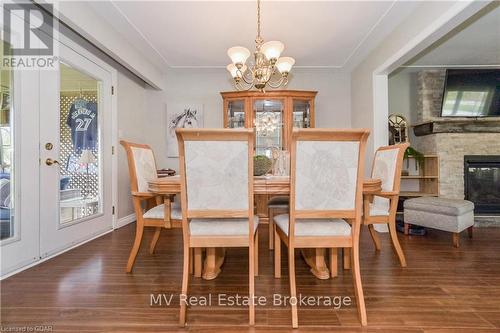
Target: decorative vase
[{"x": 281, "y": 165}]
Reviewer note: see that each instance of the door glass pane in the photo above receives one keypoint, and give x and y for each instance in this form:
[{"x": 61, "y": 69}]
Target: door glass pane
[
  {"x": 301, "y": 113},
  {"x": 80, "y": 177},
  {"x": 236, "y": 114},
  {"x": 6, "y": 151},
  {"x": 268, "y": 122}
]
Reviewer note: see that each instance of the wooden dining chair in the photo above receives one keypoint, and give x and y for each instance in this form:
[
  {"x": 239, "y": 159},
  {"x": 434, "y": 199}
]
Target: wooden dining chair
[
  {"x": 278, "y": 203},
  {"x": 326, "y": 200},
  {"x": 382, "y": 207},
  {"x": 160, "y": 212},
  {"x": 216, "y": 171}
]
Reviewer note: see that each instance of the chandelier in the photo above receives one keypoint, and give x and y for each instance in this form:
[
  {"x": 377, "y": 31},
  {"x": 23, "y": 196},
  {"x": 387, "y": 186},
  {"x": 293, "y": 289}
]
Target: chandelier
[{"x": 268, "y": 68}]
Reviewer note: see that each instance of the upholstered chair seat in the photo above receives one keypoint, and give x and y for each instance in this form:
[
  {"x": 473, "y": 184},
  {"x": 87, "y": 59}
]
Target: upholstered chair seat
[
  {"x": 279, "y": 202},
  {"x": 158, "y": 212},
  {"x": 314, "y": 227},
  {"x": 221, "y": 227}
]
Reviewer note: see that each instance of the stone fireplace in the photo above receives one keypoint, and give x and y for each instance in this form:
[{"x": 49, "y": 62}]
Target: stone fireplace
[{"x": 451, "y": 139}]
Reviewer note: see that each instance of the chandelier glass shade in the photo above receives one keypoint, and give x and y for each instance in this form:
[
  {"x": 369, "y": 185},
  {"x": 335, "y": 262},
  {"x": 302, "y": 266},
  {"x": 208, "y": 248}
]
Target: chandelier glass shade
[{"x": 268, "y": 68}]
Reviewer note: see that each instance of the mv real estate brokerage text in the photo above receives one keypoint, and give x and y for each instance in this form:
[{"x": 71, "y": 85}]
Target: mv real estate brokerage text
[{"x": 335, "y": 302}]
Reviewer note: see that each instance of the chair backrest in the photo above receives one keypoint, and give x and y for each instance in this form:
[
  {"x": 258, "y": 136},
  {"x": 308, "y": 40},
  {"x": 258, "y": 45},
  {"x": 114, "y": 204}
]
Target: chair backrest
[
  {"x": 216, "y": 170},
  {"x": 387, "y": 165},
  {"x": 141, "y": 165},
  {"x": 327, "y": 168}
]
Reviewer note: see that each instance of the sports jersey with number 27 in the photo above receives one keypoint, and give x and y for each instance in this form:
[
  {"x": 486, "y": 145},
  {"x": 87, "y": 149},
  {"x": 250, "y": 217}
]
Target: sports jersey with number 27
[{"x": 82, "y": 119}]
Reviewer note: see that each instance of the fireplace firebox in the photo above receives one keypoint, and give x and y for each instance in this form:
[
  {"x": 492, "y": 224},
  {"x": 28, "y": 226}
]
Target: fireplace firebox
[{"x": 482, "y": 183}]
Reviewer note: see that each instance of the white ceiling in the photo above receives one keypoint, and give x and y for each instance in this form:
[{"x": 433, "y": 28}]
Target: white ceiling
[
  {"x": 475, "y": 43},
  {"x": 327, "y": 34}
]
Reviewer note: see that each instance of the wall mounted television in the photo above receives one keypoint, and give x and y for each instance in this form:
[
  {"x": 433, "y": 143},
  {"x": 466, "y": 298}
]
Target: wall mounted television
[{"x": 471, "y": 93}]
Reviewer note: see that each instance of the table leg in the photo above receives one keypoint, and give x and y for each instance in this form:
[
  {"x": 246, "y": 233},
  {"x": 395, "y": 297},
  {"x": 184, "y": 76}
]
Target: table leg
[
  {"x": 333, "y": 262},
  {"x": 346, "y": 251},
  {"x": 191, "y": 259},
  {"x": 197, "y": 261},
  {"x": 213, "y": 262},
  {"x": 315, "y": 258}
]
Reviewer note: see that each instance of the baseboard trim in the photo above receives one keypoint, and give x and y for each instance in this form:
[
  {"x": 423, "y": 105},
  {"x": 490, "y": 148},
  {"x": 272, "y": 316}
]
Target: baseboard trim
[{"x": 123, "y": 221}]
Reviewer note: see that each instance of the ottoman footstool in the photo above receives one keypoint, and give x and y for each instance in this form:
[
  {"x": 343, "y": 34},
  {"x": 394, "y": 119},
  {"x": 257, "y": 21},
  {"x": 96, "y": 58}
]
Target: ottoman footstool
[{"x": 452, "y": 215}]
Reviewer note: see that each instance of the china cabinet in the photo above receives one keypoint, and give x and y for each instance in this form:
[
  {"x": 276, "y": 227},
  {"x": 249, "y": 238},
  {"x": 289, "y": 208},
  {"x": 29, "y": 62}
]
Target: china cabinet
[{"x": 273, "y": 114}]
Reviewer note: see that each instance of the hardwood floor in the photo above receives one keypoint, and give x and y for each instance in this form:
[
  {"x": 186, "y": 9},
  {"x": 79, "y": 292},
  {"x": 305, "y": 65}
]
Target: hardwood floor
[{"x": 443, "y": 289}]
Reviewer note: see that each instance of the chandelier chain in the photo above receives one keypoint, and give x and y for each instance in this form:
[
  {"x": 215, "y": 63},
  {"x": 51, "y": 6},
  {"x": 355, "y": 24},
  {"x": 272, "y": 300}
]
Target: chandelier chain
[
  {"x": 259, "y": 39},
  {"x": 258, "y": 18}
]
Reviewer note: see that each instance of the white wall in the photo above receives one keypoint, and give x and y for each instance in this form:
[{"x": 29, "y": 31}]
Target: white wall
[
  {"x": 403, "y": 96},
  {"x": 204, "y": 85},
  {"x": 131, "y": 99}
]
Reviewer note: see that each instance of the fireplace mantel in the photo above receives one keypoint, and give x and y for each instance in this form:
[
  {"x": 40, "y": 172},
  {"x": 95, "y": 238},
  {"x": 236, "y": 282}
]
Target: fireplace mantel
[{"x": 460, "y": 125}]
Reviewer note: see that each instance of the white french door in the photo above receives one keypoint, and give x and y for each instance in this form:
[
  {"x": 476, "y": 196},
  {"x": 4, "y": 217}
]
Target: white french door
[
  {"x": 19, "y": 178},
  {"x": 55, "y": 157},
  {"x": 75, "y": 152}
]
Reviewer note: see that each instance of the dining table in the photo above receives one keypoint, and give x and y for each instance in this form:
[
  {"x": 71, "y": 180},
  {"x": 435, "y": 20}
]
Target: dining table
[{"x": 268, "y": 185}]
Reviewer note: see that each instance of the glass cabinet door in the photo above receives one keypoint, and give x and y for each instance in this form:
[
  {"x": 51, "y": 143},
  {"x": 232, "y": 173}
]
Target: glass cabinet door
[
  {"x": 301, "y": 116},
  {"x": 236, "y": 114},
  {"x": 268, "y": 122}
]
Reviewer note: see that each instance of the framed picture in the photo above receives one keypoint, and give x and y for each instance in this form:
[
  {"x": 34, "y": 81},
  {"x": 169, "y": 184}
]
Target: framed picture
[{"x": 181, "y": 115}]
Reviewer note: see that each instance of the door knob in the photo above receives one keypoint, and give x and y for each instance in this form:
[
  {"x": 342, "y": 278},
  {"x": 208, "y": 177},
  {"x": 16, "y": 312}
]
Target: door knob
[{"x": 50, "y": 161}]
